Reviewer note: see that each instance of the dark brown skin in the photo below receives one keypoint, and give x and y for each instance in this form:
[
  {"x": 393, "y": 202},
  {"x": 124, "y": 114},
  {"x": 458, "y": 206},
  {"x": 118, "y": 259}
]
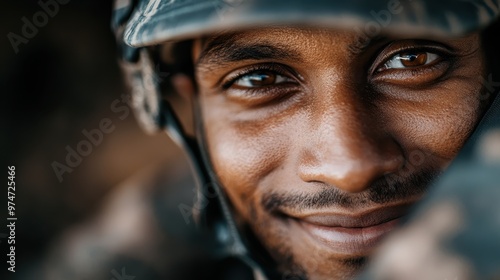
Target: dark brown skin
[{"x": 300, "y": 123}]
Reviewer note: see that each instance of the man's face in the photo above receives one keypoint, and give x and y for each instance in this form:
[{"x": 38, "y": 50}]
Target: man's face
[{"x": 322, "y": 142}]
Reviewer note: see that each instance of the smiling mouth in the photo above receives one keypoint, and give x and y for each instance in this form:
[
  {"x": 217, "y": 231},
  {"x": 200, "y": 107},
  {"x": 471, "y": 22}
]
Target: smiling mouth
[{"x": 353, "y": 235}]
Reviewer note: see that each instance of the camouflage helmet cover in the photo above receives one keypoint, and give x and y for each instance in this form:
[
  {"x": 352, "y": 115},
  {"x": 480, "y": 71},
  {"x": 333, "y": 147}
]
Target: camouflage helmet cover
[{"x": 154, "y": 21}]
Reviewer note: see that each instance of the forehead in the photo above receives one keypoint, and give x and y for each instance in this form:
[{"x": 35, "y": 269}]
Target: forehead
[
  {"x": 287, "y": 35},
  {"x": 283, "y": 42}
]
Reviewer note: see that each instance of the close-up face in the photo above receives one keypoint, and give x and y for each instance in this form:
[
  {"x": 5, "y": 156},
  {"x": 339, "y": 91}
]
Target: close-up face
[{"x": 322, "y": 143}]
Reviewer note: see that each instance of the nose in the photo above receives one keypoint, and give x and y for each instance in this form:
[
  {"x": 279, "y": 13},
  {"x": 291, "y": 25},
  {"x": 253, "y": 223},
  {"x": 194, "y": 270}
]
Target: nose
[{"x": 347, "y": 146}]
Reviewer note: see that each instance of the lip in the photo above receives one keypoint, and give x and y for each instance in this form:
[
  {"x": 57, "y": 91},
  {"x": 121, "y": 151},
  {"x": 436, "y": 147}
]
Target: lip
[{"x": 353, "y": 234}]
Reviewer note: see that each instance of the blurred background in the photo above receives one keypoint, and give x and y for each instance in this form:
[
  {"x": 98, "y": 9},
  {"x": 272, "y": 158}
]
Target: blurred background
[{"x": 62, "y": 81}]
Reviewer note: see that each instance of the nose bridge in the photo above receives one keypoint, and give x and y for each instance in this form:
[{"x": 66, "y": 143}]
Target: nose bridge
[{"x": 346, "y": 147}]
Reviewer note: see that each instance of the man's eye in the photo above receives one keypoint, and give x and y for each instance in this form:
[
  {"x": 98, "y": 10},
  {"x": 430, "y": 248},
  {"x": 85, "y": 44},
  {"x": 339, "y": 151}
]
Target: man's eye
[
  {"x": 260, "y": 79},
  {"x": 406, "y": 60},
  {"x": 260, "y": 85}
]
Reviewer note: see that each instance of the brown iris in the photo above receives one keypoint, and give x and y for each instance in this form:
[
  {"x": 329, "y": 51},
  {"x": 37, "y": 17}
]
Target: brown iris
[{"x": 413, "y": 59}]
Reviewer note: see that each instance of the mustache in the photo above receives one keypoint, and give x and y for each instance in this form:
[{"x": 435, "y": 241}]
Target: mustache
[{"x": 389, "y": 188}]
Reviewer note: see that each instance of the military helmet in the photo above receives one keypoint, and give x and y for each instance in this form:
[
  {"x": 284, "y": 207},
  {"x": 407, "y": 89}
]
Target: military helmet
[
  {"x": 157, "y": 21},
  {"x": 140, "y": 25}
]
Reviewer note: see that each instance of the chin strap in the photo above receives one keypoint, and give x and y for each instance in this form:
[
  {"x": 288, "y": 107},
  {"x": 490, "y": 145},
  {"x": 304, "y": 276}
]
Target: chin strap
[
  {"x": 212, "y": 212},
  {"x": 214, "y": 217}
]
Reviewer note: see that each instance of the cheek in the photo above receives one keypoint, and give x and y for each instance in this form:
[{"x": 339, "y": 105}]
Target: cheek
[
  {"x": 438, "y": 126},
  {"x": 243, "y": 155}
]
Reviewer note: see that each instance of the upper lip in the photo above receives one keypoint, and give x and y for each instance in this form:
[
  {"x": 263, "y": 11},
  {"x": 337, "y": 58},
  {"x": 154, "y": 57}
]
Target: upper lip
[{"x": 355, "y": 220}]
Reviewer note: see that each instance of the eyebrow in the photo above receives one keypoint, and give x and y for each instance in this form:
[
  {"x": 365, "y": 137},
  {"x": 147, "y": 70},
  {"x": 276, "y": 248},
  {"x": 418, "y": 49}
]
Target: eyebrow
[
  {"x": 228, "y": 48},
  {"x": 362, "y": 44}
]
